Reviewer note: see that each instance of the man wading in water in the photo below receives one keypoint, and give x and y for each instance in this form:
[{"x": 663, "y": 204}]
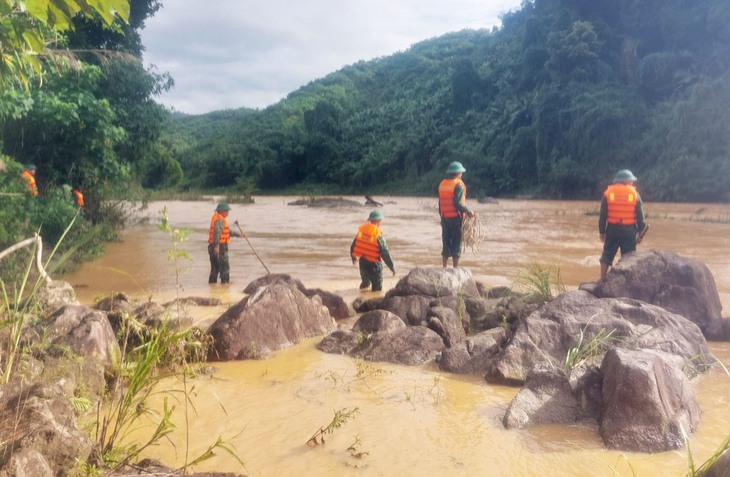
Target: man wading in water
[{"x": 218, "y": 239}]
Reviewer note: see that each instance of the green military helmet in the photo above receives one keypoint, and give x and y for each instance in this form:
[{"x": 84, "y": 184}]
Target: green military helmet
[
  {"x": 375, "y": 215},
  {"x": 222, "y": 206},
  {"x": 29, "y": 167},
  {"x": 624, "y": 175},
  {"x": 455, "y": 168}
]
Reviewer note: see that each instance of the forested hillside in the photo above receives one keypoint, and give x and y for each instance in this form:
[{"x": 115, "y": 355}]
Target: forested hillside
[
  {"x": 76, "y": 103},
  {"x": 551, "y": 105}
]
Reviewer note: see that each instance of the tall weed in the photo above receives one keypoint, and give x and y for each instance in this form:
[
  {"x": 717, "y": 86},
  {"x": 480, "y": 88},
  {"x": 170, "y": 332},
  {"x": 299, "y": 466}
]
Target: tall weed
[{"x": 539, "y": 282}]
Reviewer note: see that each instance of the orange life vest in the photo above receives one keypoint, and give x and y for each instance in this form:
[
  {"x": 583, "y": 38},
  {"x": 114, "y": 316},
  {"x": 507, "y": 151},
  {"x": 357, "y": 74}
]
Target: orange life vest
[
  {"x": 29, "y": 182},
  {"x": 225, "y": 235},
  {"x": 79, "y": 197},
  {"x": 366, "y": 242},
  {"x": 446, "y": 198},
  {"x": 621, "y": 201}
]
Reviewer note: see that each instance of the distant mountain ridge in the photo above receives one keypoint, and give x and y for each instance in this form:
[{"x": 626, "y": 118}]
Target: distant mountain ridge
[{"x": 551, "y": 104}]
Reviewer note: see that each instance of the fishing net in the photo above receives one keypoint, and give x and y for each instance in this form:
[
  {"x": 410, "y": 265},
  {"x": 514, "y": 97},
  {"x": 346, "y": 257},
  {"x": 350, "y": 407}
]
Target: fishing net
[{"x": 472, "y": 234}]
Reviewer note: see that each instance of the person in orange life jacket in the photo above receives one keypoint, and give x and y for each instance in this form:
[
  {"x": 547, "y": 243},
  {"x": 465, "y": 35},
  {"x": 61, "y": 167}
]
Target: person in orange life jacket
[
  {"x": 452, "y": 207},
  {"x": 621, "y": 218},
  {"x": 75, "y": 195},
  {"x": 78, "y": 197},
  {"x": 28, "y": 177},
  {"x": 219, "y": 237},
  {"x": 370, "y": 247}
]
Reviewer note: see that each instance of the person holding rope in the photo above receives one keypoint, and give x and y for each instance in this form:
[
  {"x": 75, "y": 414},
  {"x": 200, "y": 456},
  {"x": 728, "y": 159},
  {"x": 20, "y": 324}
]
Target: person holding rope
[
  {"x": 219, "y": 237},
  {"x": 369, "y": 247},
  {"x": 452, "y": 207}
]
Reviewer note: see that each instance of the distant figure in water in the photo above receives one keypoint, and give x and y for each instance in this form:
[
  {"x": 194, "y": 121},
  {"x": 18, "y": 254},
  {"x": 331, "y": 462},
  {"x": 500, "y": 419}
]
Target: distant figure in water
[
  {"x": 369, "y": 246},
  {"x": 452, "y": 207},
  {"x": 218, "y": 239},
  {"x": 621, "y": 219}
]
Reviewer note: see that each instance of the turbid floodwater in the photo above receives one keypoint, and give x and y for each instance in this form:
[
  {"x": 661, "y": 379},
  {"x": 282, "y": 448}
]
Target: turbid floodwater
[{"x": 411, "y": 421}]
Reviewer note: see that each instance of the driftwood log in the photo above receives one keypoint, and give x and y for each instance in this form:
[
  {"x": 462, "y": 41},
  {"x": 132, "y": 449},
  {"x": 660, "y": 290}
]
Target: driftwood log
[{"x": 370, "y": 201}]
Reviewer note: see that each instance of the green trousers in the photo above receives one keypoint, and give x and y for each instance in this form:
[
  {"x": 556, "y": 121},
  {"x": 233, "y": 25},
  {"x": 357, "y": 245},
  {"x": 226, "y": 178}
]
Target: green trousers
[{"x": 219, "y": 264}]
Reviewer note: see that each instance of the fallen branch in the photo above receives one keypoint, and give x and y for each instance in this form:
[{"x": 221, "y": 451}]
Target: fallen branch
[{"x": 36, "y": 239}]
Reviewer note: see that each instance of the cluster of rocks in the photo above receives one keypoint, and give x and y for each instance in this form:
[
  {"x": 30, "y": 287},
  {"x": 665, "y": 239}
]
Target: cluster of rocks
[
  {"x": 72, "y": 348},
  {"x": 621, "y": 352}
]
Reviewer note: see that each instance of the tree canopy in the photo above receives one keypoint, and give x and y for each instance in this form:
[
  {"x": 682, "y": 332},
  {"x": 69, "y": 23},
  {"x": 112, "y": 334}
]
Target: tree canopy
[
  {"x": 551, "y": 104},
  {"x": 26, "y": 29}
]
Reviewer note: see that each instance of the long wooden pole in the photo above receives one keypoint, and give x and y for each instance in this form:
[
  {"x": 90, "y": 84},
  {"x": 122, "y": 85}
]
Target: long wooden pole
[{"x": 249, "y": 244}]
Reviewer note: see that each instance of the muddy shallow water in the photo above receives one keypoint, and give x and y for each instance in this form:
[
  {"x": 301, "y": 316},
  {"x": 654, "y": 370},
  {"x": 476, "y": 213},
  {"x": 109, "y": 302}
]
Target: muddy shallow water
[{"x": 410, "y": 420}]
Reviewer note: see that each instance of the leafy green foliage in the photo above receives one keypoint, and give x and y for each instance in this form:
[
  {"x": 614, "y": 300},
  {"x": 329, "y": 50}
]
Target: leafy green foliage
[
  {"x": 83, "y": 114},
  {"x": 23, "y": 40}
]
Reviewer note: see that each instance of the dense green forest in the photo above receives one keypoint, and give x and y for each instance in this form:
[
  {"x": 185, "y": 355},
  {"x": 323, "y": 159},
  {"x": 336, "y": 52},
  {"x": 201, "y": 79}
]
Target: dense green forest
[
  {"x": 550, "y": 104},
  {"x": 76, "y": 102}
]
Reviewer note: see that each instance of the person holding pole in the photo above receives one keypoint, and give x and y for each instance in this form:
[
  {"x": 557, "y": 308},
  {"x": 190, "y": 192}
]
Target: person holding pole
[{"x": 219, "y": 237}]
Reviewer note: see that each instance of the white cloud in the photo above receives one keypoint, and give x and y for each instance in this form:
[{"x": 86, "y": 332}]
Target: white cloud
[{"x": 227, "y": 54}]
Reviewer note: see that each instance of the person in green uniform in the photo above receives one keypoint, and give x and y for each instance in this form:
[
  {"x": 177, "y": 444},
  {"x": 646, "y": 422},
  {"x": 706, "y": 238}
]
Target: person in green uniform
[
  {"x": 370, "y": 248},
  {"x": 452, "y": 207},
  {"x": 621, "y": 218},
  {"x": 219, "y": 237}
]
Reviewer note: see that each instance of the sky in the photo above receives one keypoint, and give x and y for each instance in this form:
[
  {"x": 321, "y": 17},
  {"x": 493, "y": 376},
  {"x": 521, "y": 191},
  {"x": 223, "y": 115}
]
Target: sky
[{"x": 229, "y": 54}]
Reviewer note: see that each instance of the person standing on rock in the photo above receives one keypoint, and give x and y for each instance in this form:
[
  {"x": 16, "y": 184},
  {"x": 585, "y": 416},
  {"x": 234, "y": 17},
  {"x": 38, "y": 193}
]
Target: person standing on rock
[
  {"x": 369, "y": 247},
  {"x": 452, "y": 207},
  {"x": 621, "y": 218},
  {"x": 219, "y": 237}
]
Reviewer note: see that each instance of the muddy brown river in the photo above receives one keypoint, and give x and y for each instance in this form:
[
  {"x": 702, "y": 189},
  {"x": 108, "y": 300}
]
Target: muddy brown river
[{"x": 411, "y": 421}]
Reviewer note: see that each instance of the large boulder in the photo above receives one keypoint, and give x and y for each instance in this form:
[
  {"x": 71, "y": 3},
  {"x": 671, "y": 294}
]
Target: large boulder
[
  {"x": 553, "y": 395},
  {"x": 412, "y": 309},
  {"x": 546, "y": 398},
  {"x": 274, "y": 317},
  {"x": 334, "y": 303},
  {"x": 681, "y": 285},
  {"x": 84, "y": 330},
  {"x": 648, "y": 403},
  {"x": 436, "y": 282},
  {"x": 572, "y": 321},
  {"x": 39, "y": 428},
  {"x": 379, "y": 335},
  {"x": 473, "y": 354},
  {"x": 412, "y": 345}
]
